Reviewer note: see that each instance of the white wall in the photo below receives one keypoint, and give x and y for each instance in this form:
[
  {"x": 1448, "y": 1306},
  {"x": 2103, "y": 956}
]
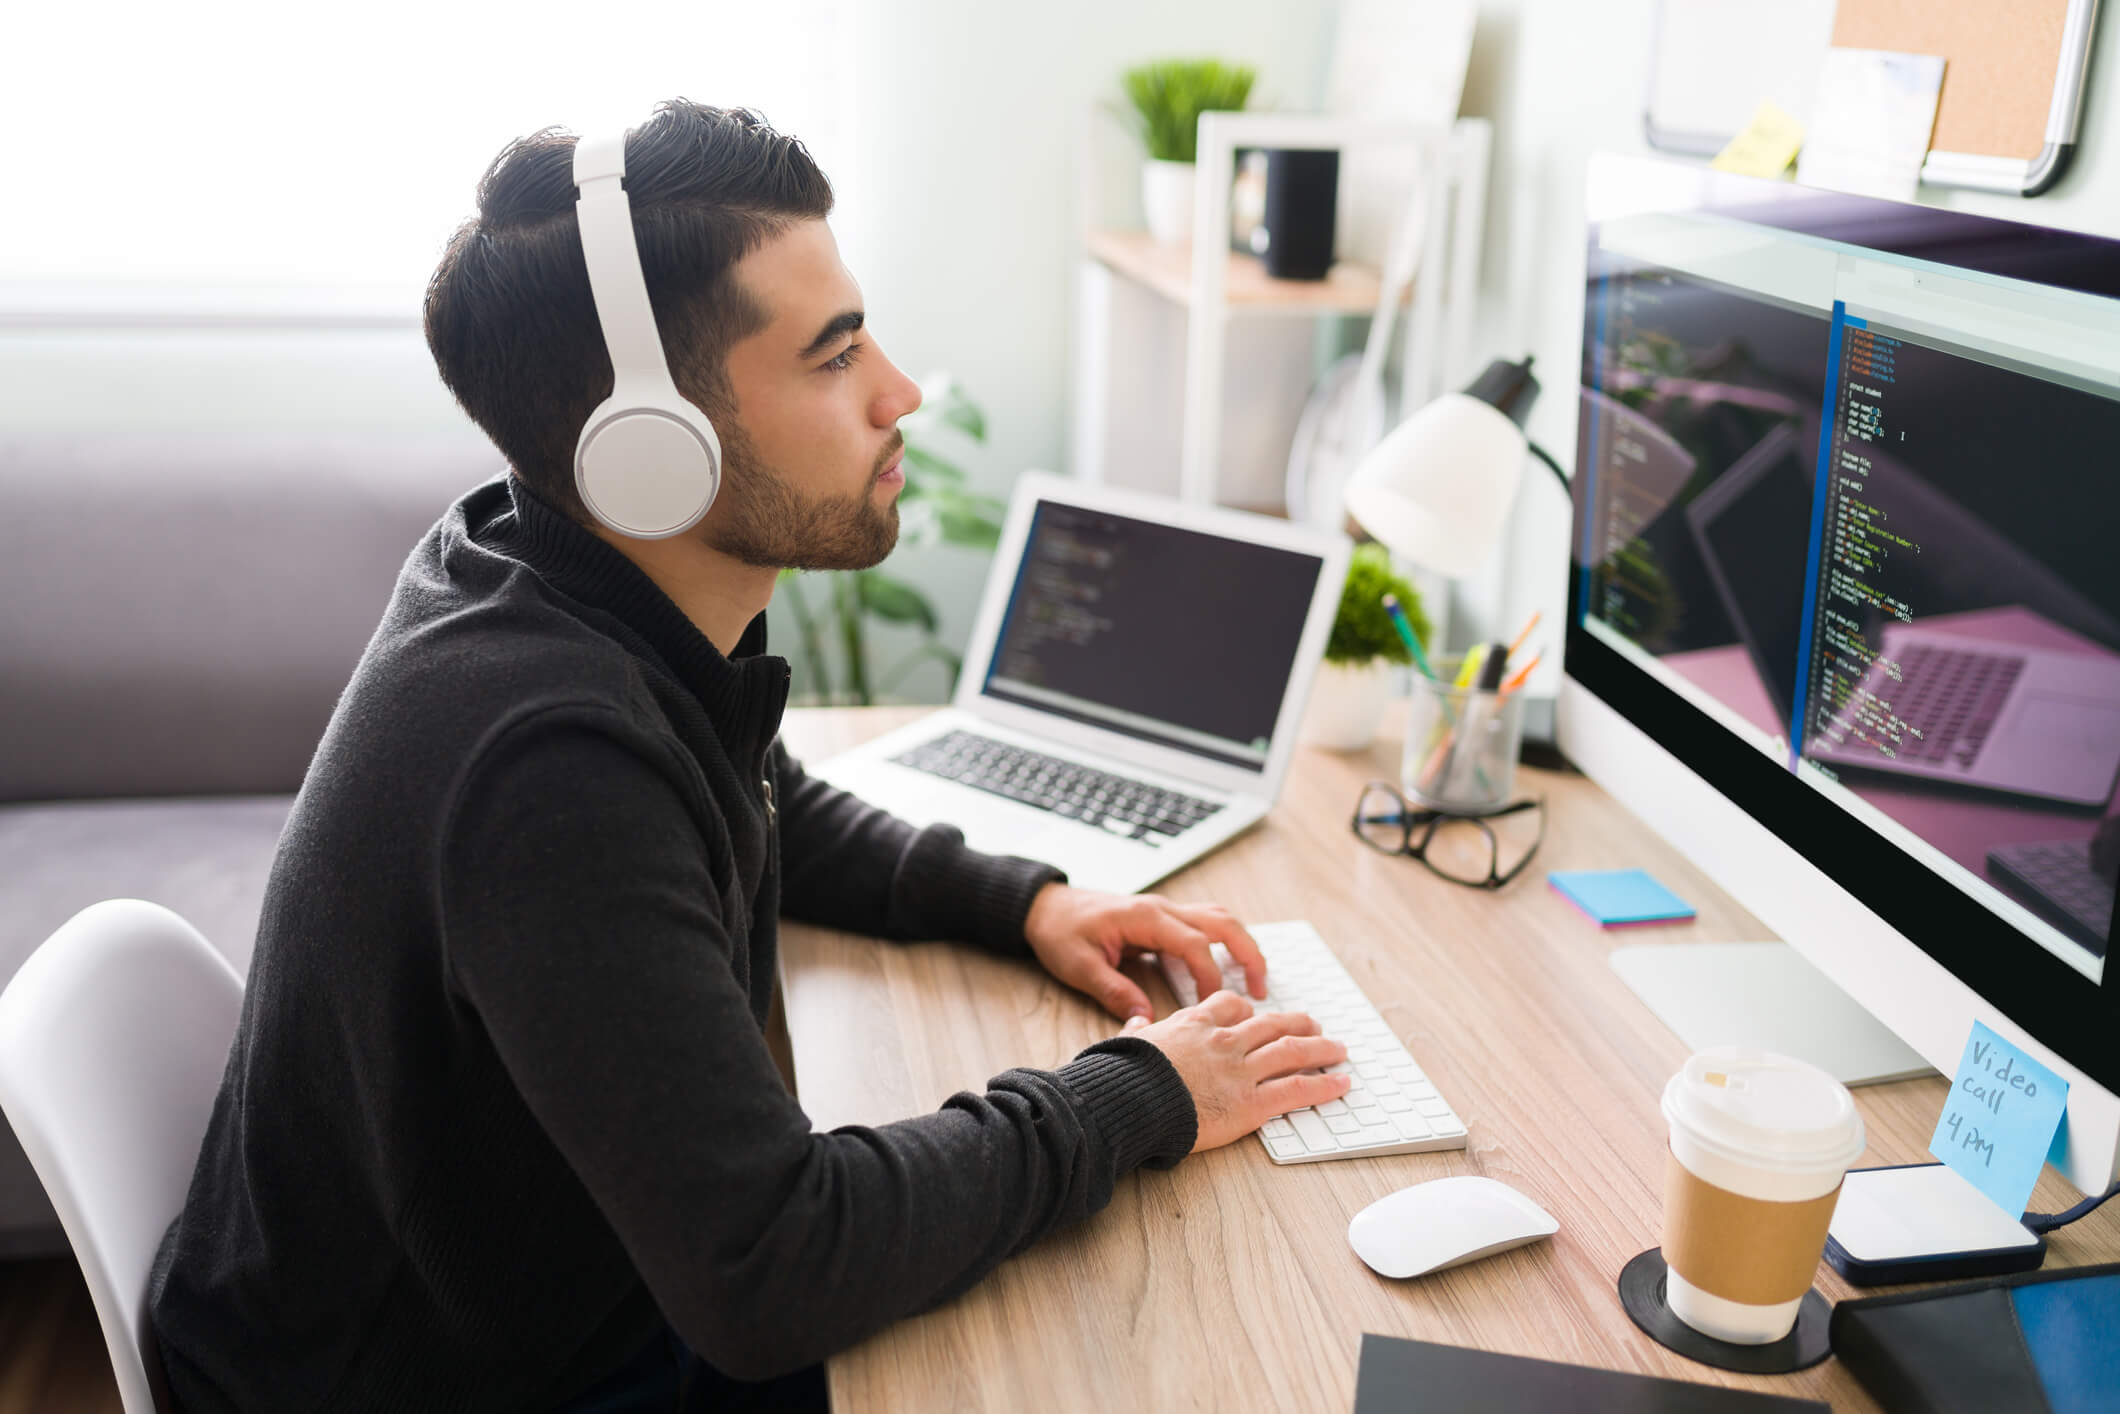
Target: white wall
[{"x": 1562, "y": 79}]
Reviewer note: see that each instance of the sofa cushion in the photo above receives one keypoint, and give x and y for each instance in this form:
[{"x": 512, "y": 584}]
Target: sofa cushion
[
  {"x": 183, "y": 612},
  {"x": 205, "y": 859}
]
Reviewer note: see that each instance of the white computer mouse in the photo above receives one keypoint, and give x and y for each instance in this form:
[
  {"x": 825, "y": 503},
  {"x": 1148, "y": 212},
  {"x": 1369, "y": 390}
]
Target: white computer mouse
[{"x": 1439, "y": 1224}]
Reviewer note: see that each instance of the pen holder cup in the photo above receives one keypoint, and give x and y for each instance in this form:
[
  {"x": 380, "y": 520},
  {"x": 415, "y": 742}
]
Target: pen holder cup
[{"x": 1461, "y": 747}]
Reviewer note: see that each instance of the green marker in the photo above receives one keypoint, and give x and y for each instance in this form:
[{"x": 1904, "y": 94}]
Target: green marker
[{"x": 1405, "y": 628}]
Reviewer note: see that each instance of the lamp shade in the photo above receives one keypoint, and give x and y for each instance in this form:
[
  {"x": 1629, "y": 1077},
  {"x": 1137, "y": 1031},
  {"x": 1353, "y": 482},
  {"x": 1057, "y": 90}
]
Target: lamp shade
[{"x": 1438, "y": 489}]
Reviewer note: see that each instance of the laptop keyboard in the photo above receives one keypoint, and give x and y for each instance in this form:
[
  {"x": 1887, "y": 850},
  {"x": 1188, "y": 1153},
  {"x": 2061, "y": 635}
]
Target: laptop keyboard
[
  {"x": 1127, "y": 808},
  {"x": 2058, "y": 874},
  {"x": 1952, "y": 697}
]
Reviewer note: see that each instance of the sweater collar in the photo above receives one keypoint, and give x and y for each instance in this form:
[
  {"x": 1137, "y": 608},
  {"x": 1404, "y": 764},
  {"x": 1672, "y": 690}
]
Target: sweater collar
[{"x": 594, "y": 573}]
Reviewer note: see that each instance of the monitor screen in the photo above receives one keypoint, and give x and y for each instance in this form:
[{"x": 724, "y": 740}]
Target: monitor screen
[
  {"x": 1848, "y": 478},
  {"x": 1174, "y": 636}
]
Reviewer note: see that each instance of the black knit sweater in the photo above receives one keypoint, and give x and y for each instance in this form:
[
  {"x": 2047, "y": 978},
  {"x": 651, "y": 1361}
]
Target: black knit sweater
[{"x": 500, "y": 1103}]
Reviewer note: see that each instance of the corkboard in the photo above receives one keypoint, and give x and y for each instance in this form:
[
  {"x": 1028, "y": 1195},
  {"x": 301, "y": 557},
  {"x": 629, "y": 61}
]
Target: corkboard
[{"x": 2001, "y": 59}]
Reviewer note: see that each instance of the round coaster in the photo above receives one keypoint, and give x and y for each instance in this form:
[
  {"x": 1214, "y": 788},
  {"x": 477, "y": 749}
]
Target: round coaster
[{"x": 1641, "y": 1291}]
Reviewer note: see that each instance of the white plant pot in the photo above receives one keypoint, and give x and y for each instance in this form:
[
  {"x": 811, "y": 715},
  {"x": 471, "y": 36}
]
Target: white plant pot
[
  {"x": 1346, "y": 705},
  {"x": 1167, "y": 200}
]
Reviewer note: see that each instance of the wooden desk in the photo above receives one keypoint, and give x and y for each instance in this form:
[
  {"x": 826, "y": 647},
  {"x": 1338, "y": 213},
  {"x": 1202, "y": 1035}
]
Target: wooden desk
[{"x": 1227, "y": 1283}]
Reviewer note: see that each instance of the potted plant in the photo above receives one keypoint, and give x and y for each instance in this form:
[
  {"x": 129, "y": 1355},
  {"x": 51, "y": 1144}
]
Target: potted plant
[
  {"x": 934, "y": 509},
  {"x": 1354, "y": 682},
  {"x": 1167, "y": 99}
]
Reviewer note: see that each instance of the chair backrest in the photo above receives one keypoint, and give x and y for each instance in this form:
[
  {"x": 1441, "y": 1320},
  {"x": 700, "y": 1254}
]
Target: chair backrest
[{"x": 113, "y": 1038}]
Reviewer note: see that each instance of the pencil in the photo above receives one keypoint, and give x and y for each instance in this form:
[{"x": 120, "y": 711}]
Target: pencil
[
  {"x": 1529, "y": 625},
  {"x": 1521, "y": 675}
]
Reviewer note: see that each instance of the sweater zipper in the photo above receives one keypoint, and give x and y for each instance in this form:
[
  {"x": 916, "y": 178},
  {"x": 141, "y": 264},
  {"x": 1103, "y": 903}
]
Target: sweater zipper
[{"x": 772, "y": 827}]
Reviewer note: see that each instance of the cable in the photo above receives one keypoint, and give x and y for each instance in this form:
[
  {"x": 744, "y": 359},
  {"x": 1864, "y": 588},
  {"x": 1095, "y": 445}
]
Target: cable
[{"x": 2047, "y": 1222}]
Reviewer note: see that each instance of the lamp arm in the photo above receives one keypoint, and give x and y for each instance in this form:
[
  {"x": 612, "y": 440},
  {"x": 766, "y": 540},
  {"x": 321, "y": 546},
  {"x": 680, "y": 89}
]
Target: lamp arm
[{"x": 1555, "y": 467}]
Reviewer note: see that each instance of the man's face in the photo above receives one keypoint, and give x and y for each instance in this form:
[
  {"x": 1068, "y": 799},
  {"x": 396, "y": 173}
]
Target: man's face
[{"x": 810, "y": 475}]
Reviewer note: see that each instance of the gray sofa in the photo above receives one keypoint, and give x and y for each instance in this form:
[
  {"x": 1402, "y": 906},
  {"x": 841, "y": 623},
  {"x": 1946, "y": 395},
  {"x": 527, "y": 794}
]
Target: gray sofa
[{"x": 179, "y": 618}]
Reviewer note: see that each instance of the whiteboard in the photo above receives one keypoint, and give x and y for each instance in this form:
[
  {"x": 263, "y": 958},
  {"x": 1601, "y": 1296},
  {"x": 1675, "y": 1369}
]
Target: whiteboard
[
  {"x": 1713, "y": 62},
  {"x": 2012, "y": 87}
]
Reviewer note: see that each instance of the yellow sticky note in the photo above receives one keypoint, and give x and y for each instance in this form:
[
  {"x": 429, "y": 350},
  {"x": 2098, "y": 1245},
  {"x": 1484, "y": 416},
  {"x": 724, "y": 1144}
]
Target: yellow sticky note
[{"x": 1765, "y": 148}]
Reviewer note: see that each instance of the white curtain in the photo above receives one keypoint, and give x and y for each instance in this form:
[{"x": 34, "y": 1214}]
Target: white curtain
[{"x": 255, "y": 155}]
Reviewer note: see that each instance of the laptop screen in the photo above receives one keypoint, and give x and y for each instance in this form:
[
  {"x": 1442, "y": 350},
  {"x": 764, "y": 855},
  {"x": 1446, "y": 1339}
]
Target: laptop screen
[{"x": 1175, "y": 636}]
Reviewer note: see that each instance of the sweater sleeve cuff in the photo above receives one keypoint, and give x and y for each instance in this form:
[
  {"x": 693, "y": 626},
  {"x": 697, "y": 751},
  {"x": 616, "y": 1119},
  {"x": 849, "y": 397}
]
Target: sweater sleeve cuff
[
  {"x": 1137, "y": 1101},
  {"x": 945, "y": 889}
]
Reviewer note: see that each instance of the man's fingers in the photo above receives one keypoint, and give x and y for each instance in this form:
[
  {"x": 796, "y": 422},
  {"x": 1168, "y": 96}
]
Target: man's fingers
[
  {"x": 1133, "y": 1023},
  {"x": 1118, "y": 993},
  {"x": 1293, "y": 1053},
  {"x": 1174, "y": 937},
  {"x": 1272, "y": 1026},
  {"x": 1226, "y": 1008},
  {"x": 1220, "y": 925},
  {"x": 1293, "y": 1092}
]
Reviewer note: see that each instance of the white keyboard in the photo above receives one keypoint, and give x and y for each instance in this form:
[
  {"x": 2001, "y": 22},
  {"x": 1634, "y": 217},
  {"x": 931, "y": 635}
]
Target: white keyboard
[{"x": 1391, "y": 1108}]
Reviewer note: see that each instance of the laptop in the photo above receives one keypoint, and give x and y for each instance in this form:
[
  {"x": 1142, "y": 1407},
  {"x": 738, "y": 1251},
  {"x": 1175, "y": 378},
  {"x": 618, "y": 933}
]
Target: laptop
[
  {"x": 1131, "y": 689},
  {"x": 1933, "y": 704}
]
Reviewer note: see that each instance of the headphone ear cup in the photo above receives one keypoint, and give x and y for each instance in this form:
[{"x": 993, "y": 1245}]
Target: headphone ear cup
[{"x": 648, "y": 472}]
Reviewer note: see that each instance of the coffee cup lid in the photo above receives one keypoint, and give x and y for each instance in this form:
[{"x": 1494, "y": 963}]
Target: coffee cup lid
[{"x": 1756, "y": 1107}]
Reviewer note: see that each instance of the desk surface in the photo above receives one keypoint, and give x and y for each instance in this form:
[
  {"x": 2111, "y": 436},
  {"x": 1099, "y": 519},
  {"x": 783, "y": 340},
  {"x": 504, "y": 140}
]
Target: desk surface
[{"x": 1227, "y": 1283}]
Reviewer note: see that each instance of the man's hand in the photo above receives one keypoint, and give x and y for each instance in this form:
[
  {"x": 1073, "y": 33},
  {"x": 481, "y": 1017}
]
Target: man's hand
[
  {"x": 1244, "y": 1068},
  {"x": 1081, "y": 936}
]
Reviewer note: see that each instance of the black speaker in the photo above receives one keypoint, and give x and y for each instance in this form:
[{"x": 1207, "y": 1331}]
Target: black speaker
[{"x": 1302, "y": 188}]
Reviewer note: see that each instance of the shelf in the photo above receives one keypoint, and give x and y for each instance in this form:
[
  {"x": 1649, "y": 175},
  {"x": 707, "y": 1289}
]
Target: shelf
[{"x": 1349, "y": 288}]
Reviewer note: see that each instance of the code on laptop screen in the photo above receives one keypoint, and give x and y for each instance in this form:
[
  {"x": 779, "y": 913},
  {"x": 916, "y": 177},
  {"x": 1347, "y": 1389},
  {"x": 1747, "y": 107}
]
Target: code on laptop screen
[{"x": 1174, "y": 636}]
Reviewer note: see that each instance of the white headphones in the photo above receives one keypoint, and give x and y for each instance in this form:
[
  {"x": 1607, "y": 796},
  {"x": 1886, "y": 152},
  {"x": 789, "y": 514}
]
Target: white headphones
[{"x": 648, "y": 463}]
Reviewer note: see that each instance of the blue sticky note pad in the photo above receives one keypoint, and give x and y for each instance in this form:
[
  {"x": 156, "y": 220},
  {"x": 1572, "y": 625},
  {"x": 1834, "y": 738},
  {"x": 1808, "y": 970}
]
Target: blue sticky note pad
[
  {"x": 1618, "y": 898},
  {"x": 2000, "y": 1119}
]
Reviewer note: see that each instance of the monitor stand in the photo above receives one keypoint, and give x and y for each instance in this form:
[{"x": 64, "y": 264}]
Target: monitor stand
[{"x": 1765, "y": 995}]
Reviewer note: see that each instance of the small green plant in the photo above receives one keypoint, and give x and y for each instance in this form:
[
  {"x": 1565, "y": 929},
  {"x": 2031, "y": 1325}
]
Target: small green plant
[
  {"x": 1169, "y": 96},
  {"x": 934, "y": 509},
  {"x": 1362, "y": 631}
]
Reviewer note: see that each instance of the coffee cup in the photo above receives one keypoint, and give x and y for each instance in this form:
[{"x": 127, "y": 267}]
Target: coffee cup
[{"x": 1759, "y": 1145}]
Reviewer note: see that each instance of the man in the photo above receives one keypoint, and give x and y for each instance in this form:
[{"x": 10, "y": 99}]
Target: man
[{"x": 500, "y": 1129}]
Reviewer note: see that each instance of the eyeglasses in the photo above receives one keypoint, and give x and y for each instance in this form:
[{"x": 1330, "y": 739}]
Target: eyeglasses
[{"x": 1464, "y": 849}]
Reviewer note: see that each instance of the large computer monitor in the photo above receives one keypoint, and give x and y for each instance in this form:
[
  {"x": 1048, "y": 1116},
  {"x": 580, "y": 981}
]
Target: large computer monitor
[{"x": 1844, "y": 604}]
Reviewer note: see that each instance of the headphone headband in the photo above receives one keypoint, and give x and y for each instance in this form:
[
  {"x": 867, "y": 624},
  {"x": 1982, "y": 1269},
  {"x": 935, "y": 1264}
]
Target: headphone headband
[
  {"x": 648, "y": 462},
  {"x": 606, "y": 216}
]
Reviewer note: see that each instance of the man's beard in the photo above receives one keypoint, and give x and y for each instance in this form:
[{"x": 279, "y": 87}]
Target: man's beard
[{"x": 761, "y": 520}]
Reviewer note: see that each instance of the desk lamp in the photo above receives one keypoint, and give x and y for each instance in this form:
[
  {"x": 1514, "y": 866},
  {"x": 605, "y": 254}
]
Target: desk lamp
[{"x": 1438, "y": 489}]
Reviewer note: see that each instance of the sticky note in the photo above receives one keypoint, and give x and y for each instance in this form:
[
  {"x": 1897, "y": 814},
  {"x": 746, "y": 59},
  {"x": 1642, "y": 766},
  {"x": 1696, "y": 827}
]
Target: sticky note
[
  {"x": 1765, "y": 148},
  {"x": 1871, "y": 122},
  {"x": 1618, "y": 898},
  {"x": 2000, "y": 1119}
]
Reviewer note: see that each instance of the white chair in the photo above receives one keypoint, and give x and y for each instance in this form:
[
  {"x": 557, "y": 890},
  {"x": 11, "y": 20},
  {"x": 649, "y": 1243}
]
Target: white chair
[{"x": 113, "y": 1037}]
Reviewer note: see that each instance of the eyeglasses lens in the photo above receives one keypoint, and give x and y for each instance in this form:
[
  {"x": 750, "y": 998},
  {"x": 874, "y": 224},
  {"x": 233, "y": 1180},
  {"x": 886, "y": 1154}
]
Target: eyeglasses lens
[
  {"x": 1460, "y": 849},
  {"x": 1381, "y": 819}
]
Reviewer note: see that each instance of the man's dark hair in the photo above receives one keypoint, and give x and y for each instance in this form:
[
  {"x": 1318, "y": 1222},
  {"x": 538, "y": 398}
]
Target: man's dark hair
[{"x": 509, "y": 316}]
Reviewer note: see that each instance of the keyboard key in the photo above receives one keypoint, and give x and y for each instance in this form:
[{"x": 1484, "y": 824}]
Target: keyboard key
[
  {"x": 1342, "y": 1123},
  {"x": 1333, "y": 1107},
  {"x": 1313, "y": 1131},
  {"x": 1287, "y": 1147},
  {"x": 1412, "y": 1126}
]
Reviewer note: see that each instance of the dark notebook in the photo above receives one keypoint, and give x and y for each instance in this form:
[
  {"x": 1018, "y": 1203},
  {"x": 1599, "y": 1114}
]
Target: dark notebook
[{"x": 1404, "y": 1375}]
